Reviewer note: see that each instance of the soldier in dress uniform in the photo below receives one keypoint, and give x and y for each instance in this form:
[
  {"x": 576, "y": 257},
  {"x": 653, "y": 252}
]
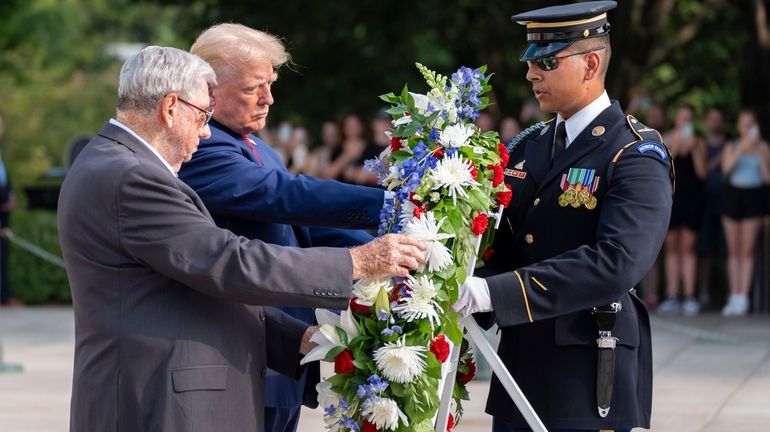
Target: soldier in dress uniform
[{"x": 592, "y": 193}]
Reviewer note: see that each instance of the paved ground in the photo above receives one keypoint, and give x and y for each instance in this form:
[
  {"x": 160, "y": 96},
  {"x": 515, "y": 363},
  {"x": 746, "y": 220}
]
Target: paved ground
[{"x": 711, "y": 374}]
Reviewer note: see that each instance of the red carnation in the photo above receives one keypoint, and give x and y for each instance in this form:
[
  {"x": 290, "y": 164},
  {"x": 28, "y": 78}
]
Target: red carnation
[
  {"x": 357, "y": 307},
  {"x": 503, "y": 154},
  {"x": 488, "y": 254},
  {"x": 440, "y": 347},
  {"x": 498, "y": 178},
  {"x": 439, "y": 153},
  {"x": 504, "y": 197},
  {"x": 411, "y": 198},
  {"x": 395, "y": 144},
  {"x": 343, "y": 363},
  {"x": 474, "y": 171},
  {"x": 394, "y": 293},
  {"x": 467, "y": 377},
  {"x": 366, "y": 426},
  {"x": 479, "y": 224},
  {"x": 450, "y": 424},
  {"x": 417, "y": 212}
]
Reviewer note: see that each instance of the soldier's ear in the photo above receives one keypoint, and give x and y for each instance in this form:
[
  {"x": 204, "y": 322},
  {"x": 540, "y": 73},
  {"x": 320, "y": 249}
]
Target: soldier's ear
[{"x": 593, "y": 62}]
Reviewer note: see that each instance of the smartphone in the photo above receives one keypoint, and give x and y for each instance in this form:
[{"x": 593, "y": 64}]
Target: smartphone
[
  {"x": 687, "y": 129},
  {"x": 754, "y": 131}
]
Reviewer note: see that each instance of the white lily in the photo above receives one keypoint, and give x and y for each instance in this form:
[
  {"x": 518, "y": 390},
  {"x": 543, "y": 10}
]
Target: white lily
[{"x": 326, "y": 337}]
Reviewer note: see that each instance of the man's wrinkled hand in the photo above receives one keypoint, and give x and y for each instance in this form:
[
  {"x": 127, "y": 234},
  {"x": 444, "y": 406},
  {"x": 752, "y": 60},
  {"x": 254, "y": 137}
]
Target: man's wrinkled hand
[
  {"x": 473, "y": 297},
  {"x": 307, "y": 345},
  {"x": 389, "y": 255}
]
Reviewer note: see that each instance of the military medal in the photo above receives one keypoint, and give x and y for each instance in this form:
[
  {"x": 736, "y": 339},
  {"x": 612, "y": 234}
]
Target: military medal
[{"x": 578, "y": 186}]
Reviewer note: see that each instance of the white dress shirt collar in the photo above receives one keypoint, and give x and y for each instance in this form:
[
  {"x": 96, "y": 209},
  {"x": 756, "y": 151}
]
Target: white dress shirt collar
[
  {"x": 584, "y": 117},
  {"x": 141, "y": 140}
]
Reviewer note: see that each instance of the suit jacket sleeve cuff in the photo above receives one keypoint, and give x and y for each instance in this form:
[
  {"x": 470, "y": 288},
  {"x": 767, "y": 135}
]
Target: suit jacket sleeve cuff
[
  {"x": 284, "y": 336},
  {"x": 510, "y": 299}
]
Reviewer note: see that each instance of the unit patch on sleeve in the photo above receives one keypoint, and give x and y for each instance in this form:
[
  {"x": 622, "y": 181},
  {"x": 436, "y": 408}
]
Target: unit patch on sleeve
[{"x": 650, "y": 146}]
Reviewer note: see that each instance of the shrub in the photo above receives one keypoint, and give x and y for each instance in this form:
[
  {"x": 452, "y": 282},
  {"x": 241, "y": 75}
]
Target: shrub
[{"x": 33, "y": 279}]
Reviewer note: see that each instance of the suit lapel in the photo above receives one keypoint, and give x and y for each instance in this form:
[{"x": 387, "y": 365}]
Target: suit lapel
[{"x": 584, "y": 143}]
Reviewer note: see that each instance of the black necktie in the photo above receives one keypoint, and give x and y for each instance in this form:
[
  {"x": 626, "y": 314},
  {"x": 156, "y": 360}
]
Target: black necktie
[{"x": 559, "y": 141}]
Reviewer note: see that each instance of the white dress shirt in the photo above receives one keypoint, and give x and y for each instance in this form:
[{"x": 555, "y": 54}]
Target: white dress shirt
[{"x": 584, "y": 117}]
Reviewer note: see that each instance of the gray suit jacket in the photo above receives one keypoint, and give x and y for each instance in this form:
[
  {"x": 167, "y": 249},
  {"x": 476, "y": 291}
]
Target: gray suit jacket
[{"x": 165, "y": 340}]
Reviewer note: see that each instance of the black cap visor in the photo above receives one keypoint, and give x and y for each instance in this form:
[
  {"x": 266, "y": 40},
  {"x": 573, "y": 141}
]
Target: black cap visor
[{"x": 537, "y": 50}]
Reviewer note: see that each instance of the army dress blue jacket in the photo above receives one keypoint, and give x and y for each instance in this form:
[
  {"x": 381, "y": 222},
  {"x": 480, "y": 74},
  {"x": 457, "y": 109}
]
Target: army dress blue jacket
[
  {"x": 555, "y": 261},
  {"x": 250, "y": 192}
]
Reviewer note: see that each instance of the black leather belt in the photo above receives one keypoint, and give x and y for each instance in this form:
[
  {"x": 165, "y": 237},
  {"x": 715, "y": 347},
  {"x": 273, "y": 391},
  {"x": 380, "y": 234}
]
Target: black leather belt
[{"x": 605, "y": 366}]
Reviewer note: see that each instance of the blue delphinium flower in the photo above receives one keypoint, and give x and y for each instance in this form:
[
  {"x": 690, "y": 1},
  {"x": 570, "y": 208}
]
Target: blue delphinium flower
[
  {"x": 468, "y": 83},
  {"x": 377, "y": 168}
]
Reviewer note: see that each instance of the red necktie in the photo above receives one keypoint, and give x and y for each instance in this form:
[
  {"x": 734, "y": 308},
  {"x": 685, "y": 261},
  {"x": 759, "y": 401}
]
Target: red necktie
[{"x": 250, "y": 143}]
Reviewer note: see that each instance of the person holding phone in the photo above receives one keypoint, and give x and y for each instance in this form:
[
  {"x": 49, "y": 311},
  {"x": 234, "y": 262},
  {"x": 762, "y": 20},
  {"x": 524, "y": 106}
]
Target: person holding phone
[
  {"x": 690, "y": 159},
  {"x": 746, "y": 167}
]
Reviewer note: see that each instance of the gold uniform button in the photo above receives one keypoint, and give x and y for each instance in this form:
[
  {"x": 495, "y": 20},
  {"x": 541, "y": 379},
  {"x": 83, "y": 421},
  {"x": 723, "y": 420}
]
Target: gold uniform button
[
  {"x": 537, "y": 201},
  {"x": 529, "y": 239}
]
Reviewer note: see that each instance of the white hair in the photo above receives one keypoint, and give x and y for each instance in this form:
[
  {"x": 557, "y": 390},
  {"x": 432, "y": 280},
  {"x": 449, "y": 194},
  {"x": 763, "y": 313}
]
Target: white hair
[{"x": 149, "y": 75}]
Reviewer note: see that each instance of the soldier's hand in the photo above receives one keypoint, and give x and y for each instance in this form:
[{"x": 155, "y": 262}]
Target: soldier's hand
[
  {"x": 473, "y": 297},
  {"x": 389, "y": 255}
]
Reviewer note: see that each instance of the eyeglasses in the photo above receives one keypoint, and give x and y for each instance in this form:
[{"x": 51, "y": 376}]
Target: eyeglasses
[
  {"x": 552, "y": 62},
  {"x": 207, "y": 113}
]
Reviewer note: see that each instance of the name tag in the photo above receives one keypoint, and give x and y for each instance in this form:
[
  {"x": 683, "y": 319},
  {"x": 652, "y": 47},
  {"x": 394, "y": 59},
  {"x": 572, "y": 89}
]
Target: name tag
[{"x": 515, "y": 173}]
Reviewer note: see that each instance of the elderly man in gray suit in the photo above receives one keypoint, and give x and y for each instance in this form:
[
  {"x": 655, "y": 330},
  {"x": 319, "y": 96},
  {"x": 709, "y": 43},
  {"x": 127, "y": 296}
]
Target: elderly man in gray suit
[{"x": 167, "y": 338}]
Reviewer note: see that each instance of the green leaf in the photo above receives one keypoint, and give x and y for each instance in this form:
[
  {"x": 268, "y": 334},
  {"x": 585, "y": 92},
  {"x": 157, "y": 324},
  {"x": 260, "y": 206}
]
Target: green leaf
[
  {"x": 452, "y": 328},
  {"x": 334, "y": 352},
  {"x": 339, "y": 379}
]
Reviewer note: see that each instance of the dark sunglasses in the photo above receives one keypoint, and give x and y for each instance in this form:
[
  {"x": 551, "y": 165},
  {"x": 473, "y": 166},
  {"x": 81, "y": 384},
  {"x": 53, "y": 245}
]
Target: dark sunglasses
[
  {"x": 552, "y": 62},
  {"x": 207, "y": 113}
]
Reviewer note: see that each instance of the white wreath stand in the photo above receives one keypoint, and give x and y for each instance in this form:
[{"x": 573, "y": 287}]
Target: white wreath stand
[{"x": 475, "y": 335}]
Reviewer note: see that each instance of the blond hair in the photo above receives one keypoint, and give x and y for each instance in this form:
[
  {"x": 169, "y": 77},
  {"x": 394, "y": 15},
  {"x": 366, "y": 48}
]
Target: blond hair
[{"x": 227, "y": 46}]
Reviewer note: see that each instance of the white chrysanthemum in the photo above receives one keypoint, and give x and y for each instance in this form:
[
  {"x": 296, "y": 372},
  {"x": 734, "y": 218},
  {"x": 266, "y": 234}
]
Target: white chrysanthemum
[
  {"x": 426, "y": 230},
  {"x": 406, "y": 212},
  {"x": 421, "y": 304},
  {"x": 326, "y": 337},
  {"x": 399, "y": 362},
  {"x": 384, "y": 414},
  {"x": 367, "y": 289},
  {"x": 456, "y": 135},
  {"x": 454, "y": 173}
]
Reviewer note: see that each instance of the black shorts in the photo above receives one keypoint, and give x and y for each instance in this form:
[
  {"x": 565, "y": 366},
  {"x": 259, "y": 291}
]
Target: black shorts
[{"x": 739, "y": 203}]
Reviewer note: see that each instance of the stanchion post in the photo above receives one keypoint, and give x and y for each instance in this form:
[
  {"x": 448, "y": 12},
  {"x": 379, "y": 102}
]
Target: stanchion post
[{"x": 474, "y": 334}]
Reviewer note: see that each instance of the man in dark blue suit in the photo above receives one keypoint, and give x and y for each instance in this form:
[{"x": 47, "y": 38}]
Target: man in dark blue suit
[
  {"x": 592, "y": 193},
  {"x": 248, "y": 190}
]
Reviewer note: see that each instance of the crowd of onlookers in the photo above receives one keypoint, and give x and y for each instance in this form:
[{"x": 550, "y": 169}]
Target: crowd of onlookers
[
  {"x": 341, "y": 147},
  {"x": 721, "y": 198},
  {"x": 722, "y": 173}
]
